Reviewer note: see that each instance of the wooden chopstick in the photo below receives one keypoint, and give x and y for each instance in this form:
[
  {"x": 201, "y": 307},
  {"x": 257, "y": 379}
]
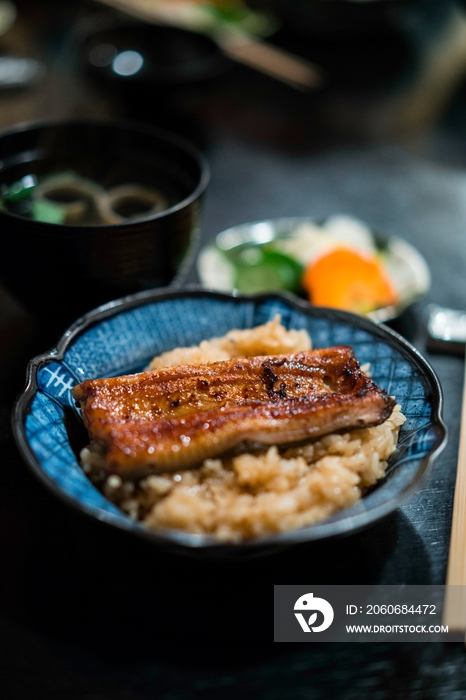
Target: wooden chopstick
[
  {"x": 273, "y": 61},
  {"x": 454, "y": 613}
]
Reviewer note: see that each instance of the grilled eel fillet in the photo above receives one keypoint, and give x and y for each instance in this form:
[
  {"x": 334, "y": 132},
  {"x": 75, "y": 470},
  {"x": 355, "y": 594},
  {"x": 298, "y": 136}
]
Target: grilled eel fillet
[{"x": 173, "y": 418}]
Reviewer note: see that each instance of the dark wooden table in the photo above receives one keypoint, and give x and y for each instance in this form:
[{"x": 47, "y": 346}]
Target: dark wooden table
[{"x": 89, "y": 613}]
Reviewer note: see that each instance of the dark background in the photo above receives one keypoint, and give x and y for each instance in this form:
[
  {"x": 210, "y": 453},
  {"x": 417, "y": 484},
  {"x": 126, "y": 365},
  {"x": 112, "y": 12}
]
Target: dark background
[{"x": 91, "y": 614}]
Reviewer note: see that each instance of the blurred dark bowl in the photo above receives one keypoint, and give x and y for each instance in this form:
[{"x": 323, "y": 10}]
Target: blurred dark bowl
[
  {"x": 370, "y": 45},
  {"x": 339, "y": 18},
  {"x": 129, "y": 55},
  {"x": 63, "y": 270}
]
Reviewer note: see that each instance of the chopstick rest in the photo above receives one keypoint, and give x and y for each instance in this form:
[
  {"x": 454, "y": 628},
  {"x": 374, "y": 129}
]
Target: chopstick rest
[{"x": 446, "y": 330}]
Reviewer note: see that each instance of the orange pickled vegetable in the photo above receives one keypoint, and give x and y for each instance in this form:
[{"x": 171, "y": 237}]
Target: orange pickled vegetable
[{"x": 348, "y": 279}]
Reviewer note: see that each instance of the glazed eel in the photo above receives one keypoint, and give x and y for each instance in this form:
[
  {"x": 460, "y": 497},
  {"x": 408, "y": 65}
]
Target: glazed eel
[{"x": 174, "y": 418}]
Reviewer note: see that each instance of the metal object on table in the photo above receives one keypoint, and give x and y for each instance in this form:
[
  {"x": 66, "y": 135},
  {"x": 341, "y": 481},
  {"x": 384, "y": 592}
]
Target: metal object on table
[
  {"x": 18, "y": 72},
  {"x": 446, "y": 330}
]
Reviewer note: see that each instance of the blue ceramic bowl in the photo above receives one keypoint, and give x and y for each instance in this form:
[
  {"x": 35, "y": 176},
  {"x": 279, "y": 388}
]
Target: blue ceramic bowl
[{"x": 122, "y": 337}]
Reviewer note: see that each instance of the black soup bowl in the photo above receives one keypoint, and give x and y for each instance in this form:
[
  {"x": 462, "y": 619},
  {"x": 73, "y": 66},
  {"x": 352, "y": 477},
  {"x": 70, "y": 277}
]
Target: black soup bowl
[{"x": 143, "y": 189}]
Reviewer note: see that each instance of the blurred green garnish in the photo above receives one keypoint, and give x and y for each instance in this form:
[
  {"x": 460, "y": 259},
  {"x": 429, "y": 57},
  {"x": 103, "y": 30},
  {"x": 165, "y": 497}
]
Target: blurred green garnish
[
  {"x": 236, "y": 15},
  {"x": 261, "y": 269},
  {"x": 48, "y": 212},
  {"x": 19, "y": 190},
  {"x": 19, "y": 198},
  {"x": 230, "y": 13}
]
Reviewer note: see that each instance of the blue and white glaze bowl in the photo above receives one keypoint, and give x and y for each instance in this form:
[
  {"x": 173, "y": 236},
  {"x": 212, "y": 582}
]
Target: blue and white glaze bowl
[{"x": 121, "y": 337}]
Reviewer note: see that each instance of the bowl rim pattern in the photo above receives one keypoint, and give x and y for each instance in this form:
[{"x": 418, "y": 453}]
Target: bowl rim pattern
[{"x": 320, "y": 530}]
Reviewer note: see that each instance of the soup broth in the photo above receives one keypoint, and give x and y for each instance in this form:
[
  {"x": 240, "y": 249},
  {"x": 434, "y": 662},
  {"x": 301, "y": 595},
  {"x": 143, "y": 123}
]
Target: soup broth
[{"x": 91, "y": 191}]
